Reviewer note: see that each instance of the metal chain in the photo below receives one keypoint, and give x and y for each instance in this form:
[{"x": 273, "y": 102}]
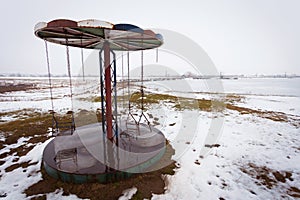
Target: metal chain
[
  {"x": 69, "y": 66},
  {"x": 123, "y": 92},
  {"x": 82, "y": 63},
  {"x": 49, "y": 76},
  {"x": 128, "y": 84},
  {"x": 142, "y": 89},
  {"x": 70, "y": 79},
  {"x": 142, "y": 80}
]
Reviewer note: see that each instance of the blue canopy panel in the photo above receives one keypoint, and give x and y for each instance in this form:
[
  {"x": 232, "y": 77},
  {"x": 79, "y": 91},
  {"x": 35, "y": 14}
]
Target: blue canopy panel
[{"x": 92, "y": 34}]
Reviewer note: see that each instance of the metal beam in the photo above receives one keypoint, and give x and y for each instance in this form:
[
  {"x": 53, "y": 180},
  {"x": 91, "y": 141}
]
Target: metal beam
[{"x": 108, "y": 91}]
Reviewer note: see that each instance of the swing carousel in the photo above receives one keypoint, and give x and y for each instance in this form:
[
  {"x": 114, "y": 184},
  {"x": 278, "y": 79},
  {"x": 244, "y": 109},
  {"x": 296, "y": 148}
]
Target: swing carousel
[{"x": 111, "y": 149}]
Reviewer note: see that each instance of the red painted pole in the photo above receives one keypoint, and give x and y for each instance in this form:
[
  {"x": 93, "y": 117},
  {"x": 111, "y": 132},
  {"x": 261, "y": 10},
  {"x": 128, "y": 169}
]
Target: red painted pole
[{"x": 108, "y": 91}]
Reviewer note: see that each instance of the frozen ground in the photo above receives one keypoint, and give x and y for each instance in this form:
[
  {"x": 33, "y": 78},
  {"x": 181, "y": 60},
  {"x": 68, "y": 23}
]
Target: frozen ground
[{"x": 220, "y": 154}]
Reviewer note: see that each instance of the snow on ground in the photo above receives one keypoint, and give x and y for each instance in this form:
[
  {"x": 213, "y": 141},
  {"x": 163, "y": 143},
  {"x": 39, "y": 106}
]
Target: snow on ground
[
  {"x": 15, "y": 182},
  {"x": 38, "y": 100},
  {"x": 127, "y": 194},
  {"x": 245, "y": 140},
  {"x": 252, "y": 151},
  {"x": 252, "y": 157},
  {"x": 58, "y": 195},
  {"x": 286, "y": 104}
]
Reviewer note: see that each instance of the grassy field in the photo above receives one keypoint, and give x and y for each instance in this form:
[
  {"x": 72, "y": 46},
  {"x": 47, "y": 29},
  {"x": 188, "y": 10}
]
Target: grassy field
[{"x": 33, "y": 127}]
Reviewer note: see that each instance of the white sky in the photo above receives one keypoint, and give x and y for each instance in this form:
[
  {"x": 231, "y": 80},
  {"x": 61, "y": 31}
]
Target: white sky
[{"x": 240, "y": 36}]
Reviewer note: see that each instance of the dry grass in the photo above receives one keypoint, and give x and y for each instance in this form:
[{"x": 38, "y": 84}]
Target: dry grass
[
  {"x": 84, "y": 117},
  {"x": 270, "y": 178},
  {"x": 232, "y": 98},
  {"x": 37, "y": 125},
  {"x": 35, "y": 128},
  {"x": 151, "y": 98},
  {"x": 271, "y": 115},
  {"x": 180, "y": 103},
  {"x": 24, "y": 165}
]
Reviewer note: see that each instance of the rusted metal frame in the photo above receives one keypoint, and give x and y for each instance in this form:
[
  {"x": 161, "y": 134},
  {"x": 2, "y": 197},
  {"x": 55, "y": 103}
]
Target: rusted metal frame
[
  {"x": 128, "y": 90},
  {"x": 67, "y": 31},
  {"x": 109, "y": 118},
  {"x": 134, "y": 45},
  {"x": 121, "y": 46},
  {"x": 126, "y": 46},
  {"x": 115, "y": 112},
  {"x": 142, "y": 90},
  {"x": 145, "y": 40},
  {"x": 95, "y": 43},
  {"x": 61, "y": 34},
  {"x": 102, "y": 91},
  {"x": 123, "y": 36},
  {"x": 81, "y": 32},
  {"x": 114, "y": 91},
  {"x": 70, "y": 44},
  {"x": 80, "y": 36},
  {"x": 108, "y": 90}
]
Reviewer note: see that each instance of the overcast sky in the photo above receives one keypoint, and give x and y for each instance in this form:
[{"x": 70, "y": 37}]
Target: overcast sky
[{"x": 240, "y": 36}]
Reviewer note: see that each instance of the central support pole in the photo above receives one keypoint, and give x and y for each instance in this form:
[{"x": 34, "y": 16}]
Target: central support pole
[{"x": 108, "y": 91}]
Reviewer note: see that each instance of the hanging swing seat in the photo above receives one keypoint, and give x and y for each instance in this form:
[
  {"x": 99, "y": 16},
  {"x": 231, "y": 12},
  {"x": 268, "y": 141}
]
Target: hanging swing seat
[
  {"x": 63, "y": 125},
  {"x": 140, "y": 134},
  {"x": 132, "y": 129}
]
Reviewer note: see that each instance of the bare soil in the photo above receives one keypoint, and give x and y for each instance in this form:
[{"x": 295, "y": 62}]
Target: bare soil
[
  {"x": 146, "y": 184},
  {"x": 16, "y": 87},
  {"x": 270, "y": 178}
]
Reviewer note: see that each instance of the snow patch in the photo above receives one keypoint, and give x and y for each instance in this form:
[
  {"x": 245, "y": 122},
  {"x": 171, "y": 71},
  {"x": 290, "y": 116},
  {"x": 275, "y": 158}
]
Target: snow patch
[{"x": 128, "y": 193}]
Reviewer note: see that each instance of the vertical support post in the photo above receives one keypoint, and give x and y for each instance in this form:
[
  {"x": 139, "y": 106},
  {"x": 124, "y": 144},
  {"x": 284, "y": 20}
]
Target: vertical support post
[
  {"x": 102, "y": 105},
  {"x": 102, "y": 93},
  {"x": 115, "y": 105},
  {"x": 108, "y": 91}
]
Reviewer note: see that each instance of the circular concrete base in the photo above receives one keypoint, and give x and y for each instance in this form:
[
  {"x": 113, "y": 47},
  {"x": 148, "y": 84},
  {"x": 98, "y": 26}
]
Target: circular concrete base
[{"x": 87, "y": 156}]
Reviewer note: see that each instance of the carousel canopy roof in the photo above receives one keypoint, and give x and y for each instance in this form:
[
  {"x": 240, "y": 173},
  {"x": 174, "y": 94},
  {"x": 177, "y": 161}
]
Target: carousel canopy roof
[{"x": 92, "y": 34}]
